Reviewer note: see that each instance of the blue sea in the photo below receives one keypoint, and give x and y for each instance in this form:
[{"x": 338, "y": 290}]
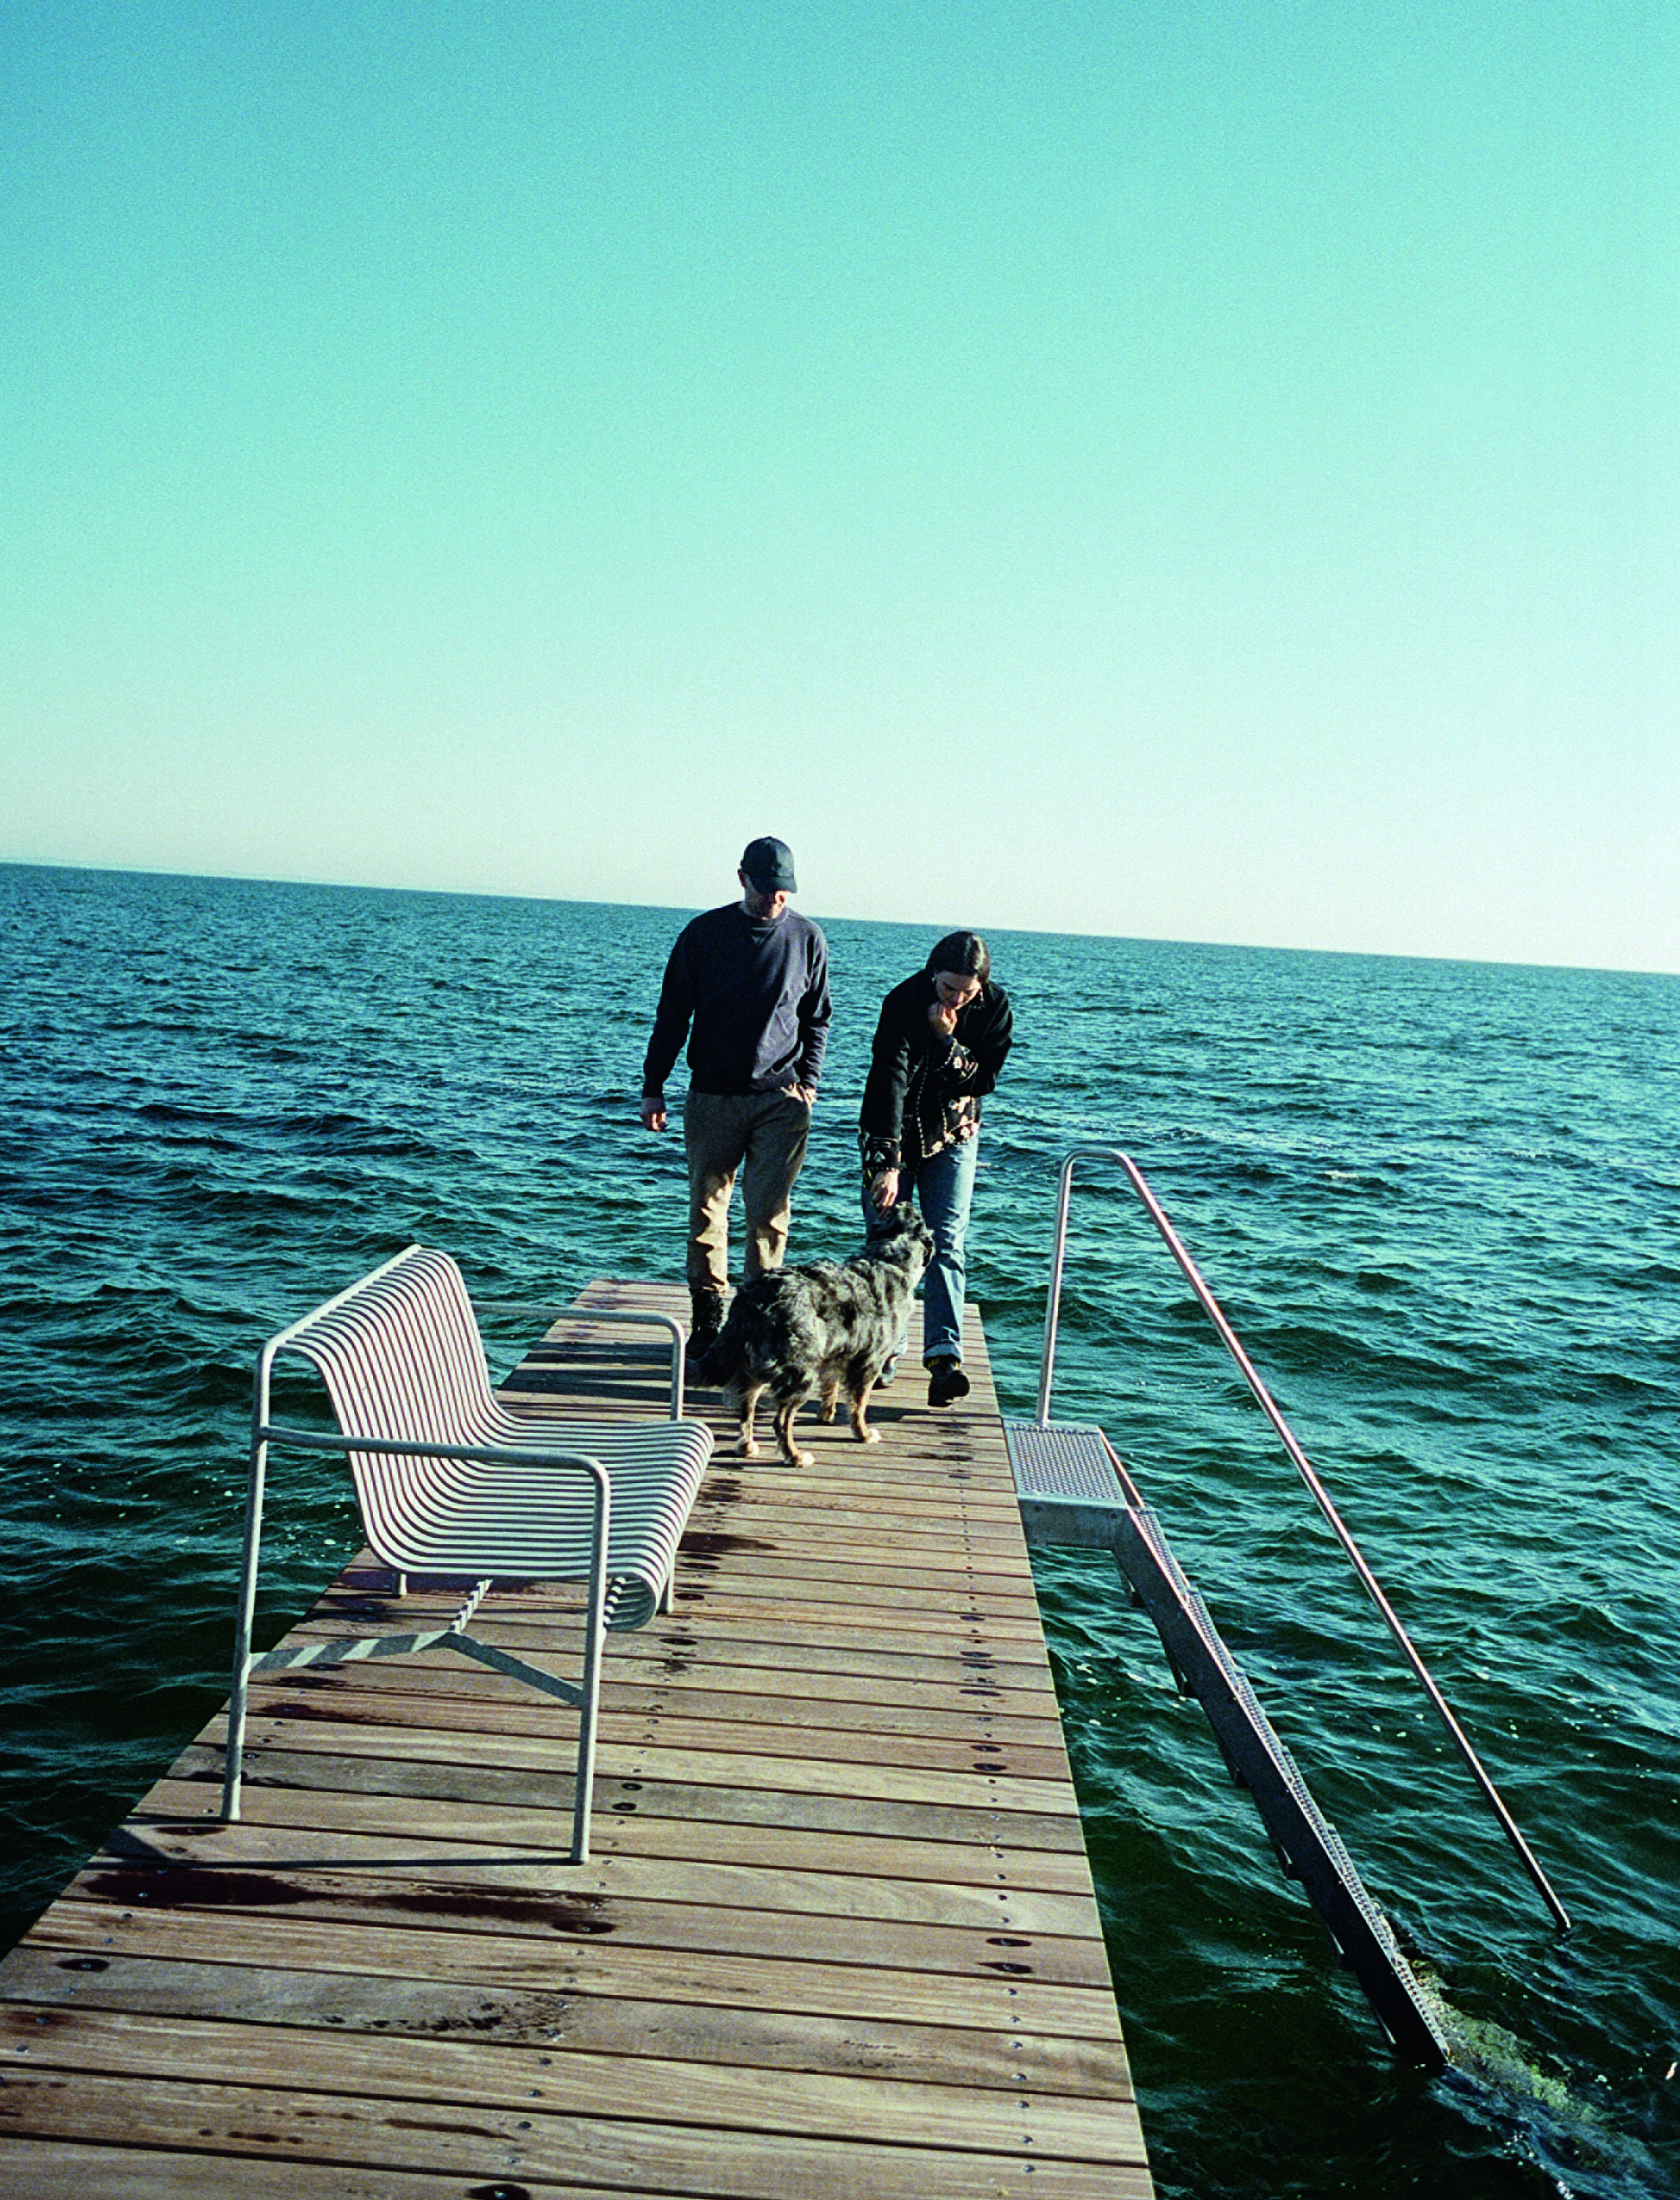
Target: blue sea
[{"x": 1439, "y": 1201}]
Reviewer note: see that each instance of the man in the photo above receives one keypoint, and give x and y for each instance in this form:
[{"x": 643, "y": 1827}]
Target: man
[{"x": 751, "y": 979}]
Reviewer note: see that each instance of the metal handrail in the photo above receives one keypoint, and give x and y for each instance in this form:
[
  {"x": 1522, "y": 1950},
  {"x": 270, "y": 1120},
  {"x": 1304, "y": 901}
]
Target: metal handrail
[{"x": 1210, "y": 1306}]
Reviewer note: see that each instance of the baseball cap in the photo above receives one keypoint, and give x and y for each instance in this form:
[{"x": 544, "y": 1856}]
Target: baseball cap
[{"x": 769, "y": 865}]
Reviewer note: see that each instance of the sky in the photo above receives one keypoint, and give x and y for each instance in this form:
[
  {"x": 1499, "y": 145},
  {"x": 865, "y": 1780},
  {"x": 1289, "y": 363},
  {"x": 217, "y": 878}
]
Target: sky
[{"x": 1168, "y": 468}]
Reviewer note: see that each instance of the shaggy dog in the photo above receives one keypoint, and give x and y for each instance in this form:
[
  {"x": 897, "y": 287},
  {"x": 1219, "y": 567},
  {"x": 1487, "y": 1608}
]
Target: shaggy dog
[{"x": 829, "y": 1327}]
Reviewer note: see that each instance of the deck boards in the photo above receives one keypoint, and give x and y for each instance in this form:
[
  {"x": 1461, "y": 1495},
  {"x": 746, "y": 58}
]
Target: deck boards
[{"x": 837, "y": 1937}]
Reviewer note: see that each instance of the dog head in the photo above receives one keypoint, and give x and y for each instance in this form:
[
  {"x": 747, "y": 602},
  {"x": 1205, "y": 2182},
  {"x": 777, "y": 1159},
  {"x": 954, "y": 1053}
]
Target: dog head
[{"x": 908, "y": 1244}]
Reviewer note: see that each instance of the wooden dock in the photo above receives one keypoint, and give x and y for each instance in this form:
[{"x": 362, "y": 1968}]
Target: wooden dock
[{"x": 837, "y": 1939}]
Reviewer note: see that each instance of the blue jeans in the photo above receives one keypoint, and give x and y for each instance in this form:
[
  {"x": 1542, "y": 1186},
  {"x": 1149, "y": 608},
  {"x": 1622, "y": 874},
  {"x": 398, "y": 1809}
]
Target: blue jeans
[{"x": 944, "y": 1184}]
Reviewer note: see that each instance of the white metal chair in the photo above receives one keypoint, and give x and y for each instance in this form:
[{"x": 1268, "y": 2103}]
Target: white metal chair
[{"x": 451, "y": 1482}]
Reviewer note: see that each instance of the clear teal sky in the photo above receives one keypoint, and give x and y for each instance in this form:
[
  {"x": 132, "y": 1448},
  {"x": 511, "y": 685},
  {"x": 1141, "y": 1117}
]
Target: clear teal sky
[{"x": 1165, "y": 467}]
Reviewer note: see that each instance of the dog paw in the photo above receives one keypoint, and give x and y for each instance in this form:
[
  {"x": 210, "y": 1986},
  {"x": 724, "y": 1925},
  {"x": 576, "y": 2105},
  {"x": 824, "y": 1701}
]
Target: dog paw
[
  {"x": 867, "y": 1436},
  {"x": 747, "y": 1448},
  {"x": 800, "y": 1459}
]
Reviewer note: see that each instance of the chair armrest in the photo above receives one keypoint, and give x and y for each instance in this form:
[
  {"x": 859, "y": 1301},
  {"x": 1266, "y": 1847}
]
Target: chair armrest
[{"x": 276, "y": 1433}]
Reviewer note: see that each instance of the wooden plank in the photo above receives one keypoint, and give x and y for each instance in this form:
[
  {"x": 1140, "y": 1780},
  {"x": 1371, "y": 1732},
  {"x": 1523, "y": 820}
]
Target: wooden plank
[
  {"x": 863, "y": 1817},
  {"x": 449, "y": 1713},
  {"x": 388, "y": 2007},
  {"x": 851, "y": 1505},
  {"x": 775, "y": 1640},
  {"x": 750, "y": 1696},
  {"x": 714, "y": 1692},
  {"x": 529, "y": 1963},
  {"x": 184, "y": 1810},
  {"x": 49, "y": 2169},
  {"x": 848, "y": 1624},
  {"x": 497, "y": 2145},
  {"x": 530, "y": 1901},
  {"x": 551, "y": 1755},
  {"x": 699, "y": 2095},
  {"x": 759, "y": 1886}
]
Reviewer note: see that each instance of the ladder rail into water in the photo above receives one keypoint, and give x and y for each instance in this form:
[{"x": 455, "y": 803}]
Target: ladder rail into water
[
  {"x": 1073, "y": 1488},
  {"x": 1228, "y": 1337}
]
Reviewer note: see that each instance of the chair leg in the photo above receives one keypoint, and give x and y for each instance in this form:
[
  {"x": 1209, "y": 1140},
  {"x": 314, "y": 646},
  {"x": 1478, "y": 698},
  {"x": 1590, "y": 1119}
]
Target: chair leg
[
  {"x": 584, "y": 1801},
  {"x": 234, "y": 1768},
  {"x": 246, "y": 1608},
  {"x": 594, "y": 1628}
]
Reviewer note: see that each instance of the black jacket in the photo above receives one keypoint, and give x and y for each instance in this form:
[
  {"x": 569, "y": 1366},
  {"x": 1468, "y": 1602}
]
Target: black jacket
[{"x": 923, "y": 1090}]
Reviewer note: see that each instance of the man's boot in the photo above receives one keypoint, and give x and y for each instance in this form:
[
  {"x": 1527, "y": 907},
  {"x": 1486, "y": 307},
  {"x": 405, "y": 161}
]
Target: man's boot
[{"x": 707, "y": 1319}]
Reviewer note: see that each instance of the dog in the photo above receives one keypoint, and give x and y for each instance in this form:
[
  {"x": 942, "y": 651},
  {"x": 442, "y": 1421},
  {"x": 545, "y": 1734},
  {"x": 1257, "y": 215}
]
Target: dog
[{"x": 828, "y": 1327}]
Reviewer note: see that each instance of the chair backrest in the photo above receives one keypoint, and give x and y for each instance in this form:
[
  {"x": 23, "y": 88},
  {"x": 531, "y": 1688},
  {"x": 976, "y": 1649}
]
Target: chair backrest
[{"x": 400, "y": 1353}]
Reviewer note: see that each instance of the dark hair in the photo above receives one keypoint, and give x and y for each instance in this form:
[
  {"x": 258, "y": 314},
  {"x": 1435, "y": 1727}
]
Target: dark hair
[{"x": 965, "y": 954}]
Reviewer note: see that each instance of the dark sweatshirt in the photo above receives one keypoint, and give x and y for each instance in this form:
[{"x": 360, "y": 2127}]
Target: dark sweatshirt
[{"x": 756, "y": 996}]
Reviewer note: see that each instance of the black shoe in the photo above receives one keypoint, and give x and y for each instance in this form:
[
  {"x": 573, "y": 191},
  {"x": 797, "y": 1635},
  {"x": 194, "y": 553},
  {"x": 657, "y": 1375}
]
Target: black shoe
[{"x": 946, "y": 1381}]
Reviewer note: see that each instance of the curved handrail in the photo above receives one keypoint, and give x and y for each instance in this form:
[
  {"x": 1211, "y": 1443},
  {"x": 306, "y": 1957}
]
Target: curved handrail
[{"x": 1211, "y": 1307}]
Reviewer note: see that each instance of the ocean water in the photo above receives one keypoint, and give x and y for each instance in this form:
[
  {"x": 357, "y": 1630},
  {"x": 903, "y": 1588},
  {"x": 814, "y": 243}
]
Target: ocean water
[{"x": 1439, "y": 1202}]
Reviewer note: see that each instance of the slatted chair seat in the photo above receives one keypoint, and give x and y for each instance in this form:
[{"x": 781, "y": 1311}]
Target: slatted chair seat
[{"x": 450, "y": 1481}]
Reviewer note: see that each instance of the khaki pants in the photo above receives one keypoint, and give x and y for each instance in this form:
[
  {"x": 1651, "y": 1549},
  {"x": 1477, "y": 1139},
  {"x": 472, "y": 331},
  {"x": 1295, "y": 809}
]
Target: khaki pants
[{"x": 763, "y": 1135}]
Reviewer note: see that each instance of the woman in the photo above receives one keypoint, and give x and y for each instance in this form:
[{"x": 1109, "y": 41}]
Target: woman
[{"x": 938, "y": 1049}]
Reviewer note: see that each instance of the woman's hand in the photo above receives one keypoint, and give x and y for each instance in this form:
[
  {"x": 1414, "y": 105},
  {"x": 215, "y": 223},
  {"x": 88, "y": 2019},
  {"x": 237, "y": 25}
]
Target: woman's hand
[
  {"x": 943, "y": 1019},
  {"x": 884, "y": 1191}
]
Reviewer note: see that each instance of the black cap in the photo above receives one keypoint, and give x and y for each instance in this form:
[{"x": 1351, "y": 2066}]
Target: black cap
[{"x": 768, "y": 866}]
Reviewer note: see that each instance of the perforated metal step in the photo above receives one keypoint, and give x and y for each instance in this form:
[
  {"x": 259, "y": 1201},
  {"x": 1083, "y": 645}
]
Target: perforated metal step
[{"x": 1066, "y": 1482}]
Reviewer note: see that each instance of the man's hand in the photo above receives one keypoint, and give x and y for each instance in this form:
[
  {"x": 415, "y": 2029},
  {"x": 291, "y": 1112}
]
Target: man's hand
[
  {"x": 653, "y": 1116},
  {"x": 805, "y": 1092},
  {"x": 884, "y": 1191}
]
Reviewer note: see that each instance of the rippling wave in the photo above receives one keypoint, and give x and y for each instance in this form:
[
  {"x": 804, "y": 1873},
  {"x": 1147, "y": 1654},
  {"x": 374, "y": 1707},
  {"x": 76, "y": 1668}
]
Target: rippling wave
[{"x": 1437, "y": 1200}]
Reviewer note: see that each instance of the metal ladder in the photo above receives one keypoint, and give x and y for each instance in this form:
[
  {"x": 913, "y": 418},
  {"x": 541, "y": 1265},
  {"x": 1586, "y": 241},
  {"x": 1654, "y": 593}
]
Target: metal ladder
[{"x": 1074, "y": 1490}]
